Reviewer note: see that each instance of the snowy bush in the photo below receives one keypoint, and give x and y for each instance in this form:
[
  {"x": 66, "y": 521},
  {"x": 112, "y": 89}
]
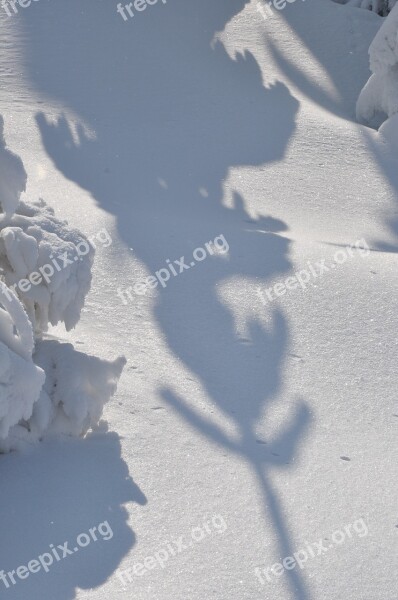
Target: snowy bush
[
  {"x": 70, "y": 391},
  {"x": 34, "y": 241},
  {"x": 45, "y": 274},
  {"x": 380, "y": 94}
]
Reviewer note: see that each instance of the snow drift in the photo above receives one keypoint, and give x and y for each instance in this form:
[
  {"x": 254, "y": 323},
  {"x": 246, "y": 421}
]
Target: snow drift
[{"x": 45, "y": 274}]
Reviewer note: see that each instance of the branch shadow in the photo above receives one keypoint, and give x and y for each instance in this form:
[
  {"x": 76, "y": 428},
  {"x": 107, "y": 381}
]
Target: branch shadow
[
  {"x": 357, "y": 27},
  {"x": 242, "y": 374},
  {"x": 172, "y": 114},
  {"x": 338, "y": 44}
]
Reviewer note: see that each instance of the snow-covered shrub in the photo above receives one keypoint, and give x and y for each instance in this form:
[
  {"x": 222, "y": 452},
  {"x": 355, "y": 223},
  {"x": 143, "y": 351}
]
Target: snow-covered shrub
[
  {"x": 34, "y": 241},
  {"x": 380, "y": 94},
  {"x": 45, "y": 273},
  {"x": 76, "y": 387}
]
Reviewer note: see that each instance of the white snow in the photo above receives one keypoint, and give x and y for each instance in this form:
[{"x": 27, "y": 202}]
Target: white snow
[
  {"x": 35, "y": 241},
  {"x": 12, "y": 177},
  {"x": 380, "y": 7},
  {"x": 58, "y": 390},
  {"x": 20, "y": 379},
  {"x": 181, "y": 124},
  {"x": 76, "y": 388}
]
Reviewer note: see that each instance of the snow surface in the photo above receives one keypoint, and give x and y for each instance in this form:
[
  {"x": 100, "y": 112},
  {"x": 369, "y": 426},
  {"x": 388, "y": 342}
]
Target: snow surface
[{"x": 192, "y": 120}]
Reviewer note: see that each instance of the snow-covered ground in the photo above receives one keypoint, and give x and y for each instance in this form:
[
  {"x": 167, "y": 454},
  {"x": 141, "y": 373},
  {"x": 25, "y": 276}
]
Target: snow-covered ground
[{"x": 251, "y": 422}]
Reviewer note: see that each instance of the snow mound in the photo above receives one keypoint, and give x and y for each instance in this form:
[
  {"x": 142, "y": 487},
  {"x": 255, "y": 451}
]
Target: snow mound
[{"x": 380, "y": 94}]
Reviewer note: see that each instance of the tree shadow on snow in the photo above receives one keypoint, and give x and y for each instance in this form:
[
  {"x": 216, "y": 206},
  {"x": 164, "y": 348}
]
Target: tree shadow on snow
[
  {"x": 342, "y": 50},
  {"x": 335, "y": 36},
  {"x": 172, "y": 113},
  {"x": 54, "y": 493}
]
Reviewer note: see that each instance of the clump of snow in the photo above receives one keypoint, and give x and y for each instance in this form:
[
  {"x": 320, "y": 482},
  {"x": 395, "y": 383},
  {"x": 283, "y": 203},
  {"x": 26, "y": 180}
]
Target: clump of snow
[
  {"x": 46, "y": 387},
  {"x": 380, "y": 94},
  {"x": 71, "y": 401},
  {"x": 35, "y": 241},
  {"x": 76, "y": 388}
]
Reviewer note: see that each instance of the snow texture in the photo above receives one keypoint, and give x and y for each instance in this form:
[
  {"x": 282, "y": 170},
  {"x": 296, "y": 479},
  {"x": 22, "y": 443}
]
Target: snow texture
[{"x": 193, "y": 138}]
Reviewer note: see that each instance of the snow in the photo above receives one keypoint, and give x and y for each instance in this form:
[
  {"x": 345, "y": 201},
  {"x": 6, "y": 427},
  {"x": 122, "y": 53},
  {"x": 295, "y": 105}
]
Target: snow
[
  {"x": 185, "y": 123},
  {"x": 12, "y": 177},
  {"x": 381, "y": 7},
  {"x": 380, "y": 94},
  {"x": 21, "y": 380},
  {"x": 75, "y": 391},
  {"x": 389, "y": 131},
  {"x": 35, "y": 241},
  {"x": 45, "y": 271}
]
